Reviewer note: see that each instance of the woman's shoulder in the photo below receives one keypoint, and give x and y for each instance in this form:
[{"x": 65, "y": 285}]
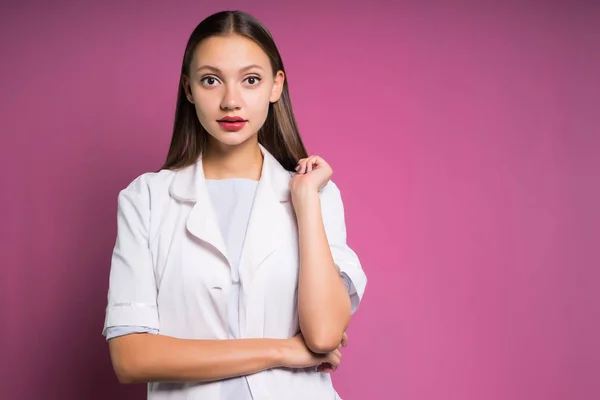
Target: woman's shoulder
[{"x": 150, "y": 183}]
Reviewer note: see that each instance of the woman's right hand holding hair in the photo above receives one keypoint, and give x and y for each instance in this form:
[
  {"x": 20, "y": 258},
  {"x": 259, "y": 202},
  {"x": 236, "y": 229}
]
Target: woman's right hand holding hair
[{"x": 295, "y": 354}]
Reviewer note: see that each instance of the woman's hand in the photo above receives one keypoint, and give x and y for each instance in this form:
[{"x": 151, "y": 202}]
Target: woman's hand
[
  {"x": 297, "y": 355},
  {"x": 313, "y": 173},
  {"x": 328, "y": 368}
]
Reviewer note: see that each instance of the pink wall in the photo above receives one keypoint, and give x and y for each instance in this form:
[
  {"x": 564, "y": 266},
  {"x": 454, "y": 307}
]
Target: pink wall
[{"x": 465, "y": 140}]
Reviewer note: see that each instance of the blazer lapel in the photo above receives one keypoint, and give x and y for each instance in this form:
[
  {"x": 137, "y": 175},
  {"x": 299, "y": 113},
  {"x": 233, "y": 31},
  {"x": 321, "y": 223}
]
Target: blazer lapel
[
  {"x": 269, "y": 220},
  {"x": 189, "y": 186}
]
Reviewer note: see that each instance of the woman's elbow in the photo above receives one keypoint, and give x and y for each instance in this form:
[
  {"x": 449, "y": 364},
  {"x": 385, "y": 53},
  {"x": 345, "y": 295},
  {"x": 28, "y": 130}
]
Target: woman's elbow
[
  {"x": 324, "y": 338},
  {"x": 125, "y": 378},
  {"x": 126, "y": 364},
  {"x": 127, "y": 371},
  {"x": 128, "y": 374},
  {"x": 323, "y": 343}
]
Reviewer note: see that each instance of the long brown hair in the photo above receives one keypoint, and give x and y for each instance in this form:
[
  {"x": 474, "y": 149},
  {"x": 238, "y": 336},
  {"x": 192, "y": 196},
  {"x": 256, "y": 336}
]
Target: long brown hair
[{"x": 279, "y": 134}]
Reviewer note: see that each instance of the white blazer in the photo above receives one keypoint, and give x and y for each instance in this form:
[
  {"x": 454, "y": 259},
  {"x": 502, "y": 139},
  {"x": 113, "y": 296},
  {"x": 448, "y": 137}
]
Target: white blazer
[{"x": 169, "y": 272}]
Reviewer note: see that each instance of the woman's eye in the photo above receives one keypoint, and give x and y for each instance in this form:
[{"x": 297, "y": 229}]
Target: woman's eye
[
  {"x": 212, "y": 81},
  {"x": 208, "y": 80},
  {"x": 253, "y": 80}
]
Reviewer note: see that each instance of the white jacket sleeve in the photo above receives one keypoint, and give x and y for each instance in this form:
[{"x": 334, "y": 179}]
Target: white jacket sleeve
[
  {"x": 346, "y": 260},
  {"x": 132, "y": 286},
  {"x": 122, "y": 330}
]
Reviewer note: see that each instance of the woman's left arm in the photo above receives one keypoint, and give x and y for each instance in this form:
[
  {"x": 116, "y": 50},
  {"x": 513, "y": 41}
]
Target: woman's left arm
[{"x": 324, "y": 304}]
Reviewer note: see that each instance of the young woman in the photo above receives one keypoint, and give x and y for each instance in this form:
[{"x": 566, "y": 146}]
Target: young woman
[{"x": 235, "y": 251}]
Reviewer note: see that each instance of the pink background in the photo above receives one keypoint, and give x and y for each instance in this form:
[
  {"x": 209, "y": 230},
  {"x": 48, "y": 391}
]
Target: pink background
[{"x": 465, "y": 139}]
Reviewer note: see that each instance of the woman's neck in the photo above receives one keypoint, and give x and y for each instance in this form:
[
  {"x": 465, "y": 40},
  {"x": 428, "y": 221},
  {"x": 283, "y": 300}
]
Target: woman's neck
[{"x": 241, "y": 161}]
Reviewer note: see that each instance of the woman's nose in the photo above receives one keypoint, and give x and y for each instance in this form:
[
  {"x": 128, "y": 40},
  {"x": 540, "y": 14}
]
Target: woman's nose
[{"x": 231, "y": 100}]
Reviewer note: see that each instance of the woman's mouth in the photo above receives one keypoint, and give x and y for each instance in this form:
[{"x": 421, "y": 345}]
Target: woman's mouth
[{"x": 232, "y": 125}]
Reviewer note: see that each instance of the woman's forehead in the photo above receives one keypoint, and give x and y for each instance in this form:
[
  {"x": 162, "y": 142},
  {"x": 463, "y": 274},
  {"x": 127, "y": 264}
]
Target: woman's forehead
[{"x": 230, "y": 54}]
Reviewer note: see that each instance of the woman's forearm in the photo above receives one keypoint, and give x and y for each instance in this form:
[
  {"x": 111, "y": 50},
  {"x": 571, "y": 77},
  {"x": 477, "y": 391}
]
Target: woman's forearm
[
  {"x": 323, "y": 301},
  {"x": 140, "y": 358}
]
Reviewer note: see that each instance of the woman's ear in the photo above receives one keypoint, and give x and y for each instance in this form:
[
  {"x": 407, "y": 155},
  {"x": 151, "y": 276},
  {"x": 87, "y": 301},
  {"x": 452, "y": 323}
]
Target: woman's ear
[
  {"x": 277, "y": 86},
  {"x": 185, "y": 82}
]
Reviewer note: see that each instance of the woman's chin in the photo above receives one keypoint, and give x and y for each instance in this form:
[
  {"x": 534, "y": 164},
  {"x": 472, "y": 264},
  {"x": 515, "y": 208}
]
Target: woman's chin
[{"x": 232, "y": 138}]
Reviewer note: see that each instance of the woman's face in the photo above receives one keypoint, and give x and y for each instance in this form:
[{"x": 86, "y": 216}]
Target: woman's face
[{"x": 232, "y": 77}]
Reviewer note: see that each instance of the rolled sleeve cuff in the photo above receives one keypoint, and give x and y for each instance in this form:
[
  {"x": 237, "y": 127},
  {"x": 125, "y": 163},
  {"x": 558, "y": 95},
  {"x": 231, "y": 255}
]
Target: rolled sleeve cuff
[
  {"x": 137, "y": 314},
  {"x": 116, "y": 331},
  {"x": 355, "y": 281}
]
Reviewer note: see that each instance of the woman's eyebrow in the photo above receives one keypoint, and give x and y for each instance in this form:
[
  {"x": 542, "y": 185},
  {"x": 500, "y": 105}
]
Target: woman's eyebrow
[{"x": 218, "y": 71}]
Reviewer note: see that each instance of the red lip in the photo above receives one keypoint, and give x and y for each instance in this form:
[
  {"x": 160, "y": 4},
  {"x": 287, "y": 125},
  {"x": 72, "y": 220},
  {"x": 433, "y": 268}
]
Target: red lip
[
  {"x": 232, "y": 119},
  {"x": 232, "y": 126}
]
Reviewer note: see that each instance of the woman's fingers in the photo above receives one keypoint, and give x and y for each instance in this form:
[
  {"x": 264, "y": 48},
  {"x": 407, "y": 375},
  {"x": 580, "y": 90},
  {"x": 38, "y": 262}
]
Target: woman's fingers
[
  {"x": 308, "y": 164},
  {"x": 335, "y": 358},
  {"x": 314, "y": 162},
  {"x": 345, "y": 340},
  {"x": 324, "y": 367},
  {"x": 332, "y": 362},
  {"x": 300, "y": 166}
]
